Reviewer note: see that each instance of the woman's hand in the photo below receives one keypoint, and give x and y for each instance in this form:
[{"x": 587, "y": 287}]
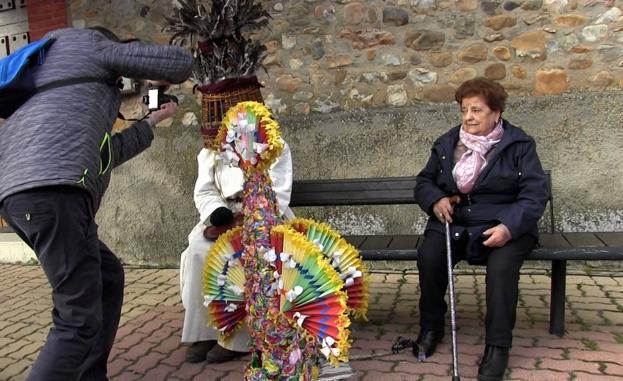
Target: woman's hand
[
  {"x": 498, "y": 235},
  {"x": 444, "y": 208},
  {"x": 167, "y": 110}
]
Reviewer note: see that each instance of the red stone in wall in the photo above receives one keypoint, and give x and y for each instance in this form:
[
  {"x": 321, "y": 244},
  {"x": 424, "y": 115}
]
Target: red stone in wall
[{"x": 45, "y": 15}]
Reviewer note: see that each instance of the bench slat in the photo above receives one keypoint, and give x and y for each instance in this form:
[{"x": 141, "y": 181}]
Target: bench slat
[
  {"x": 380, "y": 191},
  {"x": 402, "y": 242},
  {"x": 355, "y": 240},
  {"x": 553, "y": 247},
  {"x": 376, "y": 242},
  {"x": 583, "y": 240},
  {"x": 345, "y": 197},
  {"x": 553, "y": 240},
  {"x": 578, "y": 253},
  {"x": 611, "y": 238}
]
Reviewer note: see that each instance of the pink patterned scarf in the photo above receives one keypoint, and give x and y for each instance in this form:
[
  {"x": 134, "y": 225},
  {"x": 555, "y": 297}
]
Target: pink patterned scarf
[{"x": 468, "y": 168}]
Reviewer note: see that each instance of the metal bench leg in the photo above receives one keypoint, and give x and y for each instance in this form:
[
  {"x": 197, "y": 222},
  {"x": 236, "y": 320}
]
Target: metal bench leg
[{"x": 557, "y": 303}]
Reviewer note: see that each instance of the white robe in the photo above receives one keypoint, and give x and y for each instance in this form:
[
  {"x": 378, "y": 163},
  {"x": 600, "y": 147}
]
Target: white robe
[{"x": 219, "y": 185}]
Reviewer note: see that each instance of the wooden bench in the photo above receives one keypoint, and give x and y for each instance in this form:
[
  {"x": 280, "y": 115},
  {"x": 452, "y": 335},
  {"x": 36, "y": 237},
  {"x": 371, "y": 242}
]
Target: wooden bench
[{"x": 553, "y": 246}]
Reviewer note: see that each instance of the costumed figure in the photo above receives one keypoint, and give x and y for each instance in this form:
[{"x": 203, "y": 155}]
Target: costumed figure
[
  {"x": 290, "y": 283},
  {"x": 294, "y": 284},
  {"x": 225, "y": 63},
  {"x": 218, "y": 198}
]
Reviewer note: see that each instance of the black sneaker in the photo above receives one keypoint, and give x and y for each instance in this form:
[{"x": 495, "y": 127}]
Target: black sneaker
[
  {"x": 219, "y": 355},
  {"x": 197, "y": 351}
]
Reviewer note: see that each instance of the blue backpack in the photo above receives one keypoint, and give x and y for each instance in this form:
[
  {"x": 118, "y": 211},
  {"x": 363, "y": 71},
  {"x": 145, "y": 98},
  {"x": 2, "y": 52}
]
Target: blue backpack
[{"x": 16, "y": 80}]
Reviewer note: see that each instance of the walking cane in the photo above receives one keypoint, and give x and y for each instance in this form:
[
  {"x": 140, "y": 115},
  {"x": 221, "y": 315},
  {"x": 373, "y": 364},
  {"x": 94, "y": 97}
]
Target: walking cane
[{"x": 455, "y": 355}]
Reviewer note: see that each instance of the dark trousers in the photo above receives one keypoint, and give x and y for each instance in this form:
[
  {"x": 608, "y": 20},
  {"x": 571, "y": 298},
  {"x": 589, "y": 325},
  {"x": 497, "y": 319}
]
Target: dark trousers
[
  {"x": 85, "y": 276},
  {"x": 502, "y": 283}
]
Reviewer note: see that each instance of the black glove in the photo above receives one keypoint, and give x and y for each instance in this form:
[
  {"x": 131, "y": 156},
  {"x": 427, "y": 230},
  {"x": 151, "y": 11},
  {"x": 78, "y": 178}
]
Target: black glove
[{"x": 221, "y": 216}]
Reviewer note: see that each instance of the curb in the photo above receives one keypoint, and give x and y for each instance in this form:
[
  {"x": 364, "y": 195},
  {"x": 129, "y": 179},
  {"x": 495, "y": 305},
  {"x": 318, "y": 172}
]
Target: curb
[{"x": 14, "y": 250}]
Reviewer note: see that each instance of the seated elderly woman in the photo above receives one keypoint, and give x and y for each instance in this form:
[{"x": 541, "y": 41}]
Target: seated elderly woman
[{"x": 484, "y": 177}]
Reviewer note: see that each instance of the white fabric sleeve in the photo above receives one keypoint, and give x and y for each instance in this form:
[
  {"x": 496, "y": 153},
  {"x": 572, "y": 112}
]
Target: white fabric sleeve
[
  {"x": 207, "y": 197},
  {"x": 281, "y": 176}
]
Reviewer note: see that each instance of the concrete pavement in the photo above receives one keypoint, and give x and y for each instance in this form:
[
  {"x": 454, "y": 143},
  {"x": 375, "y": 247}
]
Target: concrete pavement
[{"x": 148, "y": 348}]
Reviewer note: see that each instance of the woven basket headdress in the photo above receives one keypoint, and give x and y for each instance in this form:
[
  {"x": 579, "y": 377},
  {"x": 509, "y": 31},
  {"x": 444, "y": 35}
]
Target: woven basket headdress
[{"x": 226, "y": 60}]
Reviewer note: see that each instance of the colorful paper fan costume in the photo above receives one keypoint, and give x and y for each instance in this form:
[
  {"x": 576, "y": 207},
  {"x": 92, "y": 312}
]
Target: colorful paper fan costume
[
  {"x": 344, "y": 258},
  {"x": 271, "y": 275},
  {"x": 309, "y": 288}
]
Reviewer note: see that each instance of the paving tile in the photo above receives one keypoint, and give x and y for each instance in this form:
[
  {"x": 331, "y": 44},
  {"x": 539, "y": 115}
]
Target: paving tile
[
  {"x": 582, "y": 355},
  {"x": 158, "y": 373},
  {"x": 186, "y": 371},
  {"x": 581, "y": 376},
  {"x": 392, "y": 376},
  {"x": 233, "y": 376},
  {"x": 208, "y": 375},
  {"x": 126, "y": 342},
  {"x": 147, "y": 362},
  {"x": 127, "y": 376},
  {"x": 378, "y": 365},
  {"x": 117, "y": 366},
  {"x": 538, "y": 375},
  {"x": 137, "y": 351},
  {"x": 168, "y": 345},
  {"x": 570, "y": 366},
  {"x": 15, "y": 368},
  {"x": 26, "y": 350}
]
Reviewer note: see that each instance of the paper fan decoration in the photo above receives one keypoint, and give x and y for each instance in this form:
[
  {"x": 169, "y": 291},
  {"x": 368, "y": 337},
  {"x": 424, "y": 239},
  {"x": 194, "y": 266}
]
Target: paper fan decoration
[
  {"x": 223, "y": 281},
  {"x": 310, "y": 290},
  {"x": 344, "y": 258}
]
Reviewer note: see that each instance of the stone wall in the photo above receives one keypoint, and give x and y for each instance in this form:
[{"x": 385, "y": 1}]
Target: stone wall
[
  {"x": 355, "y": 87},
  {"x": 326, "y": 56},
  {"x": 329, "y": 55}
]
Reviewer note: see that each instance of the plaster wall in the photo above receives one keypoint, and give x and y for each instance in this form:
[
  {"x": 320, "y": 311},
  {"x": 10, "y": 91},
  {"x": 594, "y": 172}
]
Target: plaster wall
[{"x": 148, "y": 210}]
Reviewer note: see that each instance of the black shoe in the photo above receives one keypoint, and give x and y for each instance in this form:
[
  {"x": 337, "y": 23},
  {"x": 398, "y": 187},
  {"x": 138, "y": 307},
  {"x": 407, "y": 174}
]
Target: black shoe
[
  {"x": 426, "y": 344},
  {"x": 197, "y": 351},
  {"x": 493, "y": 364},
  {"x": 219, "y": 355}
]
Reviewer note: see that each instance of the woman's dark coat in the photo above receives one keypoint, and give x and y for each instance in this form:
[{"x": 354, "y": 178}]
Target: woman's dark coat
[{"x": 512, "y": 189}]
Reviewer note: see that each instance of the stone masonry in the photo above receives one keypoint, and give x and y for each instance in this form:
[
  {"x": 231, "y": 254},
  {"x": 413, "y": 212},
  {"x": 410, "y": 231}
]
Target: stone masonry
[{"x": 343, "y": 55}]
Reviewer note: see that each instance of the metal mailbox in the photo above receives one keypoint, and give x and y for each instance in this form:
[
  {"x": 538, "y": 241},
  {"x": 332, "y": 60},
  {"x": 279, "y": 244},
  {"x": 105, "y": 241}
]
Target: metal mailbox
[
  {"x": 6, "y": 5},
  {"x": 4, "y": 46},
  {"x": 18, "y": 40}
]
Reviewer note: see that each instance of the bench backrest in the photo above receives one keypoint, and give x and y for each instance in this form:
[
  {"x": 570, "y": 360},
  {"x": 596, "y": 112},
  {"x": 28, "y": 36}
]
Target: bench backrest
[{"x": 370, "y": 191}]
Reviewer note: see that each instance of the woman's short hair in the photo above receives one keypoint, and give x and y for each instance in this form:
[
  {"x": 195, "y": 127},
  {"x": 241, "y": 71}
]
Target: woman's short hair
[
  {"x": 109, "y": 34},
  {"x": 492, "y": 92}
]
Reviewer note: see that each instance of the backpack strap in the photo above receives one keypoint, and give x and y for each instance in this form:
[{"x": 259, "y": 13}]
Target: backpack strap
[{"x": 73, "y": 81}]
